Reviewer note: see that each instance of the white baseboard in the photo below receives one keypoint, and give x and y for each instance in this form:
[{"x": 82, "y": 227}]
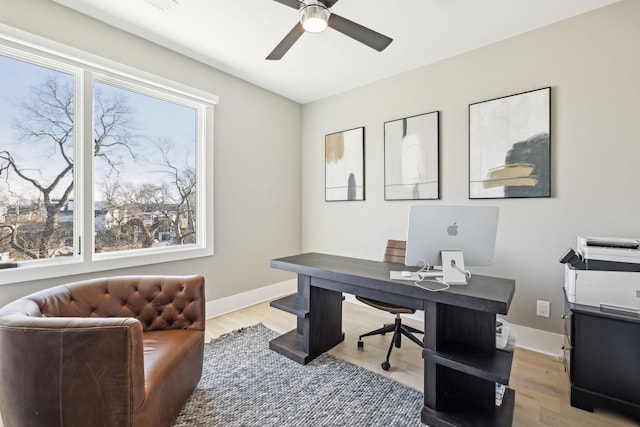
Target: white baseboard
[
  {"x": 527, "y": 338},
  {"x": 545, "y": 342},
  {"x": 246, "y": 299}
]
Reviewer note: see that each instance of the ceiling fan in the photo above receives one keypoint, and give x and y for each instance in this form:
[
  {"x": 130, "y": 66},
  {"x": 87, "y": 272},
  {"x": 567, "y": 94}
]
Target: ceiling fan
[{"x": 316, "y": 16}]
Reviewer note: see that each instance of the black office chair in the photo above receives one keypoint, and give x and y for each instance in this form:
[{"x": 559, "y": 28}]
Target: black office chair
[{"x": 394, "y": 252}]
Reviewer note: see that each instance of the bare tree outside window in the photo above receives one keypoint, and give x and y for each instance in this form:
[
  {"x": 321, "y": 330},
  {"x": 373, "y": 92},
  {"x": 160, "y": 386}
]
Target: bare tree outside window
[{"x": 36, "y": 160}]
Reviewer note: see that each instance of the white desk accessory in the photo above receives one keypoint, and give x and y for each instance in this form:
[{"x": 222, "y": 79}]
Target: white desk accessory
[{"x": 414, "y": 276}]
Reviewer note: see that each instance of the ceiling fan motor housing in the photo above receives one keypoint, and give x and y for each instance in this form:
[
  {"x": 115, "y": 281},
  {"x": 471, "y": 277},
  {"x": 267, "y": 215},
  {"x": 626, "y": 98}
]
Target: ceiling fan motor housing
[{"x": 314, "y": 16}]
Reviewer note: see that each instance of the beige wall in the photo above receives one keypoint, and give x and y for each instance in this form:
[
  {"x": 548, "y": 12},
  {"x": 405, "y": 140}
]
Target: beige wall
[
  {"x": 592, "y": 63},
  {"x": 257, "y": 155}
]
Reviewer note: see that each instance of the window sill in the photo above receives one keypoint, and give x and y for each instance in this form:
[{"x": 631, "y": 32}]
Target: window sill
[{"x": 69, "y": 266}]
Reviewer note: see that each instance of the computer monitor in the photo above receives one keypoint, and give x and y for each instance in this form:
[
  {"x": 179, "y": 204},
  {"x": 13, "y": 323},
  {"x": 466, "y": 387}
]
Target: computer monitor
[{"x": 470, "y": 229}]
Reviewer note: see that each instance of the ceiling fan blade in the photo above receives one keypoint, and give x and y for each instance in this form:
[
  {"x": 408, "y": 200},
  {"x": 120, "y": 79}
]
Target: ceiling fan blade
[
  {"x": 286, "y": 42},
  {"x": 357, "y": 32},
  {"x": 291, "y": 3},
  {"x": 329, "y": 3}
]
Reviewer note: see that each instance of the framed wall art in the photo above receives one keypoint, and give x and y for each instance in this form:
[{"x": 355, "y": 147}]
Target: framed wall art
[
  {"x": 510, "y": 146},
  {"x": 344, "y": 165},
  {"x": 411, "y": 158}
]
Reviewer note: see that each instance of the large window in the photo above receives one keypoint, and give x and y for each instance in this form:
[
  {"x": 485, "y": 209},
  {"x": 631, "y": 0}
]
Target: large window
[{"x": 99, "y": 168}]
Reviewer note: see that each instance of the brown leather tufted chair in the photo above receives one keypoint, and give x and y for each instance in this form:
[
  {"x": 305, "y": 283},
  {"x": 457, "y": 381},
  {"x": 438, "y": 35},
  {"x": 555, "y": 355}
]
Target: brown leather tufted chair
[{"x": 120, "y": 351}]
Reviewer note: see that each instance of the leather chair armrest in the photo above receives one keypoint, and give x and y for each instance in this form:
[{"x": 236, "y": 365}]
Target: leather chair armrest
[{"x": 48, "y": 362}]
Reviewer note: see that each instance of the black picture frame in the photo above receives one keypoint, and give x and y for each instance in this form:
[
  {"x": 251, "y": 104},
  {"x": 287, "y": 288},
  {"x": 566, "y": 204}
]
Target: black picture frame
[
  {"x": 412, "y": 157},
  {"x": 344, "y": 165},
  {"x": 510, "y": 146}
]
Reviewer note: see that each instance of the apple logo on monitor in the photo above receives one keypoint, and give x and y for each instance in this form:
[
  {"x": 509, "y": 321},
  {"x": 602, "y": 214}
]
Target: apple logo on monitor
[{"x": 452, "y": 230}]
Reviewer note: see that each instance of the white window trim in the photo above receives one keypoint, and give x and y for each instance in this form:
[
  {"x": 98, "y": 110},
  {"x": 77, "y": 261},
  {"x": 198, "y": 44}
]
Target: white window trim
[{"x": 87, "y": 262}]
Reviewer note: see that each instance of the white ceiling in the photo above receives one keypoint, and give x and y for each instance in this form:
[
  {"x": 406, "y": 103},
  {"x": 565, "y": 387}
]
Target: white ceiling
[{"x": 235, "y": 36}]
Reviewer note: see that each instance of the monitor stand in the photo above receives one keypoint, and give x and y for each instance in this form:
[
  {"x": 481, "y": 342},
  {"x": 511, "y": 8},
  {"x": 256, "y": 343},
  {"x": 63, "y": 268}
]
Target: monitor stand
[{"x": 453, "y": 268}]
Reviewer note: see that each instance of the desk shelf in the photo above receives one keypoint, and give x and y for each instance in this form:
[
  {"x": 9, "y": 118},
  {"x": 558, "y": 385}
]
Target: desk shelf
[
  {"x": 491, "y": 365},
  {"x": 459, "y": 413},
  {"x": 291, "y": 304},
  {"x": 289, "y": 346}
]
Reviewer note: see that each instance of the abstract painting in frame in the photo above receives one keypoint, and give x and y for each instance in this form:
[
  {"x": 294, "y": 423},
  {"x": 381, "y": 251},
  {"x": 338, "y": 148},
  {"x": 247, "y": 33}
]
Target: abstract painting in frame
[
  {"x": 344, "y": 165},
  {"x": 411, "y": 158},
  {"x": 510, "y": 146}
]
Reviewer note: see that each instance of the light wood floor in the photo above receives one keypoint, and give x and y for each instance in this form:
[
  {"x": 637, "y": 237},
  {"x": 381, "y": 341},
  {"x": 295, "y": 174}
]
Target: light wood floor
[{"x": 540, "y": 383}]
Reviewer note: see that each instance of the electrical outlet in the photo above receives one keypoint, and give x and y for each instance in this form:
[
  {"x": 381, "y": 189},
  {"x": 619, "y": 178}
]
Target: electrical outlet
[{"x": 543, "y": 308}]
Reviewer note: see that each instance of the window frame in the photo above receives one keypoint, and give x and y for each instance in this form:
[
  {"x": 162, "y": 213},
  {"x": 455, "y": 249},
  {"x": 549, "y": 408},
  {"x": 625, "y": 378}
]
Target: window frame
[{"x": 88, "y": 68}]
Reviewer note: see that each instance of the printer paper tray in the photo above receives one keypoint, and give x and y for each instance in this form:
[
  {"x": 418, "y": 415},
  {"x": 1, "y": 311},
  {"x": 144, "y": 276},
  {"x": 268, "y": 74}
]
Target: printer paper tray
[{"x": 609, "y": 288}]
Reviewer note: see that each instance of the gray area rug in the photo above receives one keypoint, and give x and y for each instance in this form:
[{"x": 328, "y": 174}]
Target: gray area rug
[{"x": 246, "y": 384}]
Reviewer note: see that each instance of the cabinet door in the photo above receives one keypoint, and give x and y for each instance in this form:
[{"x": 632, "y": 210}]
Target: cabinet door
[{"x": 606, "y": 356}]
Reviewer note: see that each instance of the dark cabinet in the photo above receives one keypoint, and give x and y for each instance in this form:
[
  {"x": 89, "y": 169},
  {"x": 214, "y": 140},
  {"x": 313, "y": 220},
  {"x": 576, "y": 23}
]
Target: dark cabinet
[{"x": 602, "y": 356}]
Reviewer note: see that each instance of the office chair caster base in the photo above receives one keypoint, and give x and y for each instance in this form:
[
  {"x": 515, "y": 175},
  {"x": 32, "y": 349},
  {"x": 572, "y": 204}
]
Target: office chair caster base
[
  {"x": 386, "y": 365},
  {"x": 360, "y": 344}
]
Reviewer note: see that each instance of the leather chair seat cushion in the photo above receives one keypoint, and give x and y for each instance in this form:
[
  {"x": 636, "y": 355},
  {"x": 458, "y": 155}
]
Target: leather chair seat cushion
[{"x": 172, "y": 368}]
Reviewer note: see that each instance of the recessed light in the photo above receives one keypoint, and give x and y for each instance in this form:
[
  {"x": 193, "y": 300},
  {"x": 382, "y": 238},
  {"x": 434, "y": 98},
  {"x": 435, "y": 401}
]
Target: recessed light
[{"x": 163, "y": 4}]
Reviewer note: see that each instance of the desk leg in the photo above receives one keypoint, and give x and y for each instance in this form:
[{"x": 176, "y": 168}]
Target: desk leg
[
  {"x": 319, "y": 323},
  {"x": 323, "y": 328}
]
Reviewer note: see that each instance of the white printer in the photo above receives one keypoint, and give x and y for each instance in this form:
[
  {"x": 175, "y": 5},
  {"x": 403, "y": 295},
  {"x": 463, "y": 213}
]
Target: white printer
[{"x": 605, "y": 273}]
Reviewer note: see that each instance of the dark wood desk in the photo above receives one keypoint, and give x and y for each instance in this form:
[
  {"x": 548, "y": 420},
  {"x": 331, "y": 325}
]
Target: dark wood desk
[{"x": 461, "y": 363}]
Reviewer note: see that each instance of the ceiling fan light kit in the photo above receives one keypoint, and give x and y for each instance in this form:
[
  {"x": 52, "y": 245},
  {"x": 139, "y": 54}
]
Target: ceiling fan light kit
[{"x": 314, "y": 17}]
